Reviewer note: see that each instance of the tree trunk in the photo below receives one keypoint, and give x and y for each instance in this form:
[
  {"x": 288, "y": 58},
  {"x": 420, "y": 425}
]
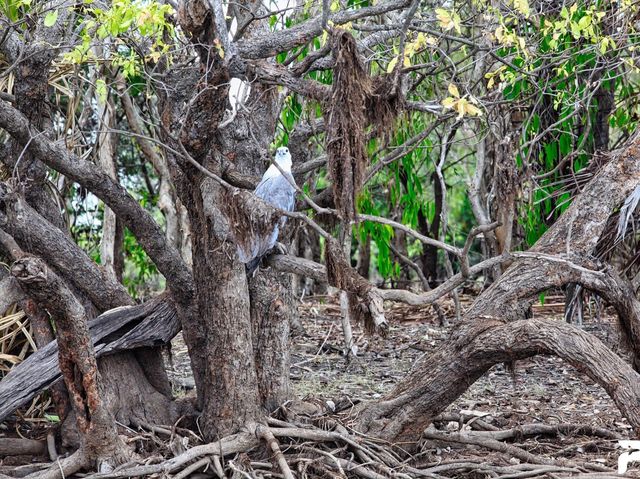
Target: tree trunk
[
  {"x": 429, "y": 256},
  {"x": 483, "y": 338},
  {"x": 96, "y": 425},
  {"x": 229, "y": 373},
  {"x": 271, "y": 310},
  {"x": 99, "y": 291}
]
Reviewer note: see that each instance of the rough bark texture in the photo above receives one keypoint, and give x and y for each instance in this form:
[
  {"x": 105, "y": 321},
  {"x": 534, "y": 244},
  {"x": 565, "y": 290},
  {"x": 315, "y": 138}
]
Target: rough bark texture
[
  {"x": 460, "y": 363},
  {"x": 244, "y": 343},
  {"x": 77, "y": 360},
  {"x": 138, "y": 220},
  {"x": 37, "y": 235},
  {"x": 150, "y": 324},
  {"x": 43, "y": 335},
  {"x": 271, "y": 310},
  {"x": 484, "y": 339},
  {"x": 101, "y": 292},
  {"x": 223, "y": 302},
  {"x": 271, "y": 300}
]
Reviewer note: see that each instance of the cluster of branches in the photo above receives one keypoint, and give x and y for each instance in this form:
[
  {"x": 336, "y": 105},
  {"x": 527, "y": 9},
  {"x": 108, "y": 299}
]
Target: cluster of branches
[{"x": 384, "y": 99}]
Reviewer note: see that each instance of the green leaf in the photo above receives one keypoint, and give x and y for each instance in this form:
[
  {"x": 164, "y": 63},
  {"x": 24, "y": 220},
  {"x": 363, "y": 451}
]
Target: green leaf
[
  {"x": 101, "y": 90},
  {"x": 51, "y": 18}
]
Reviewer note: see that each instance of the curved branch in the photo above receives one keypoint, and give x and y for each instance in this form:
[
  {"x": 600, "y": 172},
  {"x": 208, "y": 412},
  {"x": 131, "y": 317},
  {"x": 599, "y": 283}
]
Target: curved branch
[
  {"x": 137, "y": 219},
  {"x": 483, "y": 339},
  {"x": 464, "y": 361},
  {"x": 271, "y": 44},
  {"x": 36, "y": 235}
]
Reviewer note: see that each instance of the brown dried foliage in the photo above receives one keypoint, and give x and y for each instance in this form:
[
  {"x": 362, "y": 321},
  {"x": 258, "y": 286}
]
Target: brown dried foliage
[
  {"x": 346, "y": 118},
  {"x": 249, "y": 218},
  {"x": 356, "y": 101}
]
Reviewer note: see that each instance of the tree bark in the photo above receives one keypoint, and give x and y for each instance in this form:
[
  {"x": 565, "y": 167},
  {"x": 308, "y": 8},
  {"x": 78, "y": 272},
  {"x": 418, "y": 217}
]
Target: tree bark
[
  {"x": 223, "y": 303},
  {"x": 99, "y": 438},
  {"x": 121, "y": 329},
  {"x": 428, "y": 390},
  {"x": 483, "y": 338}
]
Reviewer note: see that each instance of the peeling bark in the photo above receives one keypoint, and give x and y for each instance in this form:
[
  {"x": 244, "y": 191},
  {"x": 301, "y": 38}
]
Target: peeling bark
[{"x": 121, "y": 329}]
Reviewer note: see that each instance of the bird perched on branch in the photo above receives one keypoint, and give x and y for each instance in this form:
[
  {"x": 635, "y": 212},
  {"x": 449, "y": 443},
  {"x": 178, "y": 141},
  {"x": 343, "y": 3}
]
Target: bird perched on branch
[{"x": 278, "y": 190}]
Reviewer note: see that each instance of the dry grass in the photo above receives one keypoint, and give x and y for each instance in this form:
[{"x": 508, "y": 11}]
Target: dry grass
[
  {"x": 16, "y": 341},
  {"x": 16, "y": 344}
]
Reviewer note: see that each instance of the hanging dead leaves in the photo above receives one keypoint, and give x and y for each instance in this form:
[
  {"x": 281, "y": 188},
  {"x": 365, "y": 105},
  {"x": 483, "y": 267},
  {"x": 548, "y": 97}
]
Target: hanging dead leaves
[{"x": 357, "y": 101}]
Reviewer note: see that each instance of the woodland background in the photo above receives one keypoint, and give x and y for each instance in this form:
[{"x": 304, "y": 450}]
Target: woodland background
[{"x": 466, "y": 161}]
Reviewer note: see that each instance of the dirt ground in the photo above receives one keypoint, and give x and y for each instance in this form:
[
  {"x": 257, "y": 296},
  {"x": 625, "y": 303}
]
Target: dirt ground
[{"x": 543, "y": 390}]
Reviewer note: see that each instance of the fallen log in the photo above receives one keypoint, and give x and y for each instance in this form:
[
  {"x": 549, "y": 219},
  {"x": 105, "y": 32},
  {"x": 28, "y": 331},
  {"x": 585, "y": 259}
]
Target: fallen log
[
  {"x": 10, "y": 446},
  {"x": 150, "y": 324}
]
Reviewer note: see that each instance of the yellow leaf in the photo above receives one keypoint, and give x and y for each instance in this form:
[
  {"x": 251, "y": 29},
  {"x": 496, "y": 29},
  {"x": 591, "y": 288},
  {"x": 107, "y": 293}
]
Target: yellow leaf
[
  {"x": 218, "y": 45},
  {"x": 490, "y": 83},
  {"x": 460, "y": 107},
  {"x": 472, "y": 110},
  {"x": 448, "y": 102},
  {"x": 523, "y": 7},
  {"x": 323, "y": 39},
  {"x": 603, "y": 45},
  {"x": 448, "y": 20},
  {"x": 454, "y": 90},
  {"x": 392, "y": 64},
  {"x": 407, "y": 61},
  {"x": 421, "y": 41},
  {"x": 410, "y": 49},
  {"x": 444, "y": 17}
]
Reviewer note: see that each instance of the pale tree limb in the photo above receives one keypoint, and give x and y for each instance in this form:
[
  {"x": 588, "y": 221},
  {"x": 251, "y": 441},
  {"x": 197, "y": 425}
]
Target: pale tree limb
[
  {"x": 444, "y": 211},
  {"x": 106, "y": 152},
  {"x": 10, "y": 293},
  {"x": 271, "y": 44},
  {"x": 265, "y": 433},
  {"x": 177, "y": 224}
]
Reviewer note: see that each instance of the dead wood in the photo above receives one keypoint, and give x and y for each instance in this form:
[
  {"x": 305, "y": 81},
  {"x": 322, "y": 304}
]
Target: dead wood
[
  {"x": 493, "y": 331},
  {"x": 77, "y": 361},
  {"x": 496, "y": 445},
  {"x": 427, "y": 390},
  {"x": 150, "y": 324},
  {"x": 365, "y": 301},
  {"x": 18, "y": 446}
]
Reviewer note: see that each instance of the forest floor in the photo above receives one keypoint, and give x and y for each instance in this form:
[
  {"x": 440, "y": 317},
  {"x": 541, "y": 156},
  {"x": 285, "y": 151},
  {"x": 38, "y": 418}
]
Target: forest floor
[{"x": 541, "y": 390}]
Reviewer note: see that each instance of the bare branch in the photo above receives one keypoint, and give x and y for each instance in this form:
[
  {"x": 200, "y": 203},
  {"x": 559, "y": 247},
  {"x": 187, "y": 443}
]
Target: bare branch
[
  {"x": 270, "y": 45},
  {"x": 142, "y": 225}
]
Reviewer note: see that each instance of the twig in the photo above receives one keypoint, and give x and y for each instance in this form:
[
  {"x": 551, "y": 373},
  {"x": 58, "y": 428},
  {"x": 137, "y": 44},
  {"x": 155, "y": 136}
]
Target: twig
[{"x": 265, "y": 433}]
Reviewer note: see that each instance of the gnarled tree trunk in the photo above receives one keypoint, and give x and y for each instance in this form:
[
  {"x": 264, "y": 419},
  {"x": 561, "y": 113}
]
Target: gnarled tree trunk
[{"x": 493, "y": 330}]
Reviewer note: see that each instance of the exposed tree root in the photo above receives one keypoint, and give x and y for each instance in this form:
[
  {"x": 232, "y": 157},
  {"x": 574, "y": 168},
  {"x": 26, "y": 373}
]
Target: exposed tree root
[{"x": 327, "y": 448}]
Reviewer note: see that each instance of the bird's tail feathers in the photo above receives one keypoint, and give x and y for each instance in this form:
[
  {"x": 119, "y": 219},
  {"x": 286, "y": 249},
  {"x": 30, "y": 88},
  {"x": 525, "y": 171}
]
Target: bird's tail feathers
[{"x": 252, "y": 265}]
